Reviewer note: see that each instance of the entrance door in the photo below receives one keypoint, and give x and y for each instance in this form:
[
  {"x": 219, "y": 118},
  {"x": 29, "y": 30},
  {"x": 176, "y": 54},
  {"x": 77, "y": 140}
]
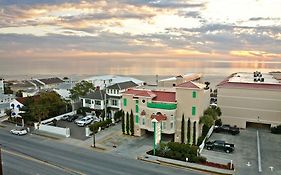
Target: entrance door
[{"x": 257, "y": 125}]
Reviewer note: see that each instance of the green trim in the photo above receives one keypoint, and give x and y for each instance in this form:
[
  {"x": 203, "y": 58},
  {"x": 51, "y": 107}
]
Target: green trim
[
  {"x": 154, "y": 143},
  {"x": 137, "y": 108},
  {"x": 124, "y": 102},
  {"x": 193, "y": 110},
  {"x": 194, "y": 94},
  {"x": 162, "y": 106},
  {"x": 137, "y": 119}
]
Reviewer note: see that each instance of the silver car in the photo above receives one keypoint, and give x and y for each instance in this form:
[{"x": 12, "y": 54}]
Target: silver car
[{"x": 19, "y": 131}]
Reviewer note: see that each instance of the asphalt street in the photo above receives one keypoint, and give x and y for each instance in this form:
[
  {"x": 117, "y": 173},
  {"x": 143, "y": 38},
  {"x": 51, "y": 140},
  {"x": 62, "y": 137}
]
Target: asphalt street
[{"x": 29, "y": 155}]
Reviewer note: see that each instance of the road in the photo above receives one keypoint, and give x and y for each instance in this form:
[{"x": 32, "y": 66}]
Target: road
[{"x": 35, "y": 155}]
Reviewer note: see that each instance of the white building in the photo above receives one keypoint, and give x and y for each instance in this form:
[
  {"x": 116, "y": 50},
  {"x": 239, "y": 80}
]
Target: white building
[
  {"x": 107, "y": 80},
  {"x": 1, "y": 86},
  {"x": 64, "y": 90},
  {"x": 5, "y": 100}
]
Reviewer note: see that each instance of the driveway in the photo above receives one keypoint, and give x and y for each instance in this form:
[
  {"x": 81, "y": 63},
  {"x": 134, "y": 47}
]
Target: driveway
[
  {"x": 245, "y": 156},
  {"x": 76, "y": 132}
]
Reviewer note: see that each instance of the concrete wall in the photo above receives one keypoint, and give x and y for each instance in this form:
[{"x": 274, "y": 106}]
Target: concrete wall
[
  {"x": 55, "y": 130},
  {"x": 239, "y": 106}
]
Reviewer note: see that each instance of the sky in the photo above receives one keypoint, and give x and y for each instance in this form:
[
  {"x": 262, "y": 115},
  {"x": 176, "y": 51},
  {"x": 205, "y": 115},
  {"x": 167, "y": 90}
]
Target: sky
[{"x": 137, "y": 36}]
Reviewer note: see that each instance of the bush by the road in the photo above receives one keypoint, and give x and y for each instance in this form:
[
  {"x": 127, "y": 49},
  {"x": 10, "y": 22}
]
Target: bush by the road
[
  {"x": 276, "y": 130},
  {"x": 178, "y": 151}
]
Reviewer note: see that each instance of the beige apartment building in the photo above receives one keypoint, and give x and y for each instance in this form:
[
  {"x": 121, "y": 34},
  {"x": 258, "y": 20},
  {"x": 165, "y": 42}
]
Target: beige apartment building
[
  {"x": 250, "y": 99},
  {"x": 167, "y": 106}
]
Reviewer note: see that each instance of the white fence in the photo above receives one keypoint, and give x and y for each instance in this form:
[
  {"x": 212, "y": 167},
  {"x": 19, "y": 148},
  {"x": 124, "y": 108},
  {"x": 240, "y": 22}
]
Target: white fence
[
  {"x": 53, "y": 129},
  {"x": 207, "y": 136}
]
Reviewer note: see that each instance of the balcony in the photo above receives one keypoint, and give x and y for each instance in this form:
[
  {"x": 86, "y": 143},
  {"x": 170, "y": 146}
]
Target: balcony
[{"x": 167, "y": 106}]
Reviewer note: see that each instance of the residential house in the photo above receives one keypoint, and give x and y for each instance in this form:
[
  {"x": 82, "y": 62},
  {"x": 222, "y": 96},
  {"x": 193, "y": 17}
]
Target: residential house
[
  {"x": 94, "y": 100},
  {"x": 5, "y": 100},
  {"x": 114, "y": 93},
  {"x": 50, "y": 83},
  {"x": 1, "y": 86},
  {"x": 174, "y": 81},
  {"x": 167, "y": 106},
  {"x": 64, "y": 90},
  {"x": 21, "y": 85},
  {"x": 107, "y": 80},
  {"x": 250, "y": 99}
]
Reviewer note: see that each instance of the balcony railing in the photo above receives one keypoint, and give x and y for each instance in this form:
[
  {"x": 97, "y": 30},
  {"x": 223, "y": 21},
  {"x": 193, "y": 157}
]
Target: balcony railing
[{"x": 166, "y": 106}]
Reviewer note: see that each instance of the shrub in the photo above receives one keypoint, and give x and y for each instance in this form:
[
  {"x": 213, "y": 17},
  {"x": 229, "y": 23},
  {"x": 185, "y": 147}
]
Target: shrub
[
  {"x": 200, "y": 140},
  {"x": 218, "y": 122},
  {"x": 276, "y": 130}
]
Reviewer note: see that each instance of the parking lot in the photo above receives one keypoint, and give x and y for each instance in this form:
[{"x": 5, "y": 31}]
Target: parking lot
[
  {"x": 76, "y": 132},
  {"x": 245, "y": 156}
]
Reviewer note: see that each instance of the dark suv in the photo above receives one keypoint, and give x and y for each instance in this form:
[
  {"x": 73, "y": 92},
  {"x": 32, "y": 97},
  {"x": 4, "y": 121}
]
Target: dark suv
[
  {"x": 72, "y": 118},
  {"x": 227, "y": 128}
]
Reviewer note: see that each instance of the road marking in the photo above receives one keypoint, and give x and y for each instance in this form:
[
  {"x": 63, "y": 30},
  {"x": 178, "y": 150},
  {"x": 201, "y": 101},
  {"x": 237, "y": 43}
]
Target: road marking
[
  {"x": 42, "y": 162},
  {"x": 259, "y": 151},
  {"x": 248, "y": 164},
  {"x": 271, "y": 168}
]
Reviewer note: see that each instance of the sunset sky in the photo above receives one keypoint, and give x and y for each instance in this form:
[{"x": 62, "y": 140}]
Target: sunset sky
[{"x": 122, "y": 34}]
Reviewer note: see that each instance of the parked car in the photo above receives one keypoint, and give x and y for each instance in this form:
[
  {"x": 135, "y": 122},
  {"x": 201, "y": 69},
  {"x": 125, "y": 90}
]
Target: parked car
[
  {"x": 227, "y": 129},
  {"x": 72, "y": 118},
  {"x": 19, "y": 131},
  {"x": 220, "y": 145},
  {"x": 84, "y": 121},
  {"x": 65, "y": 117}
]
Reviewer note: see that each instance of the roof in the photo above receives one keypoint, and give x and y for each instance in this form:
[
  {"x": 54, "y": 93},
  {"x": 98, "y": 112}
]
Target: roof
[
  {"x": 54, "y": 80},
  {"x": 187, "y": 77},
  {"x": 23, "y": 100},
  {"x": 4, "y": 105},
  {"x": 114, "y": 79},
  {"x": 231, "y": 82},
  {"x": 65, "y": 85},
  {"x": 97, "y": 94},
  {"x": 191, "y": 85},
  {"x": 159, "y": 117},
  {"x": 23, "y": 84},
  {"x": 161, "y": 96},
  {"x": 37, "y": 83},
  {"x": 123, "y": 85}
]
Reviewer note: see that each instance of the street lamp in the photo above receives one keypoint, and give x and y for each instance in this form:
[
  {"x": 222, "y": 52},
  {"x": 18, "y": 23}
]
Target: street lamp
[{"x": 154, "y": 121}]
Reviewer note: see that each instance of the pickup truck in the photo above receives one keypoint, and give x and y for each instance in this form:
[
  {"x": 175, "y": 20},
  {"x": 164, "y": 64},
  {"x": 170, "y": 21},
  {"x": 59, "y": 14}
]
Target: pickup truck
[
  {"x": 220, "y": 145},
  {"x": 227, "y": 129}
]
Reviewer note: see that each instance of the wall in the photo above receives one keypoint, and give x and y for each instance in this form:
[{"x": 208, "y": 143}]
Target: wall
[
  {"x": 253, "y": 105},
  {"x": 55, "y": 130}
]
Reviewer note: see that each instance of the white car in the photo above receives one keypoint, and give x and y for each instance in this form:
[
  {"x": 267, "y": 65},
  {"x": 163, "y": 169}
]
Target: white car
[
  {"x": 19, "y": 131},
  {"x": 84, "y": 121}
]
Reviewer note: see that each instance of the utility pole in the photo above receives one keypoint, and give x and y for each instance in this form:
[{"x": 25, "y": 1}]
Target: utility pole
[{"x": 1, "y": 168}]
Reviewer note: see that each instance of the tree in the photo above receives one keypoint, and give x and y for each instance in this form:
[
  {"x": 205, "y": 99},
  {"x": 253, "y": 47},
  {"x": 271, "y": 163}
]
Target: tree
[
  {"x": 206, "y": 120},
  {"x": 19, "y": 93},
  {"x": 194, "y": 133},
  {"x": 127, "y": 124},
  {"x": 188, "y": 130},
  {"x": 80, "y": 89},
  {"x": 132, "y": 123},
  {"x": 182, "y": 129},
  {"x": 123, "y": 122},
  {"x": 94, "y": 128}
]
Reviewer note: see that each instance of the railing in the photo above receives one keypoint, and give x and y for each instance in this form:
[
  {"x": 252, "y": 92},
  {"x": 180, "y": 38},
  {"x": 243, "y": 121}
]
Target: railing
[{"x": 166, "y": 106}]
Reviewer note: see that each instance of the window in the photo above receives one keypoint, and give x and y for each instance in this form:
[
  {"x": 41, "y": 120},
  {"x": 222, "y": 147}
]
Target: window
[
  {"x": 88, "y": 101},
  {"x": 137, "y": 108},
  {"x": 97, "y": 102},
  {"x": 194, "y": 94},
  {"x": 143, "y": 121},
  {"x": 172, "y": 125},
  {"x": 143, "y": 101},
  {"x": 193, "y": 110},
  {"x": 163, "y": 125},
  {"x": 137, "y": 101},
  {"x": 124, "y": 102},
  {"x": 114, "y": 102},
  {"x": 137, "y": 119}
]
